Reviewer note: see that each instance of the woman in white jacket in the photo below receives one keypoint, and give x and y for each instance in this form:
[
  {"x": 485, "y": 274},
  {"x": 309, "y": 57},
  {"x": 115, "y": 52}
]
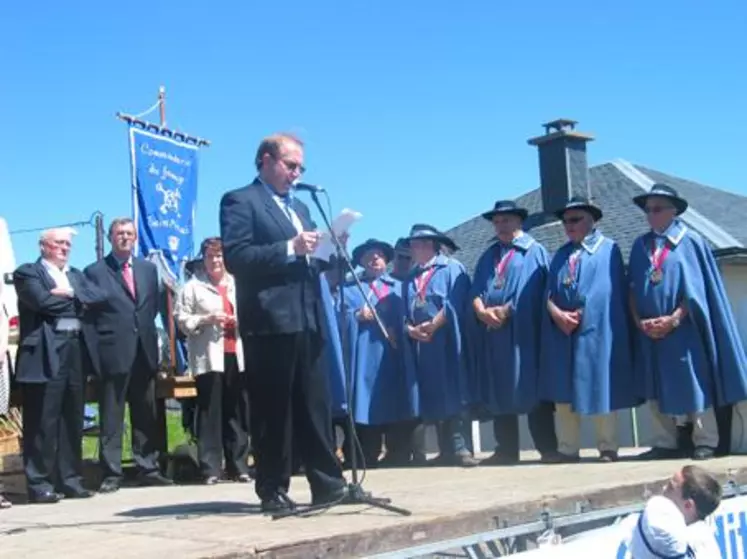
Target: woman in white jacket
[{"x": 205, "y": 312}]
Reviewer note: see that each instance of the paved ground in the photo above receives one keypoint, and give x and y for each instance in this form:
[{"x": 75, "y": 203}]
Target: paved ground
[{"x": 223, "y": 521}]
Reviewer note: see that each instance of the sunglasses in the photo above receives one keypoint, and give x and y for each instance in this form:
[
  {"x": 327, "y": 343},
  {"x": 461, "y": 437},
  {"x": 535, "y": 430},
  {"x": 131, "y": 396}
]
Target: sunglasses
[
  {"x": 656, "y": 209},
  {"x": 572, "y": 220}
]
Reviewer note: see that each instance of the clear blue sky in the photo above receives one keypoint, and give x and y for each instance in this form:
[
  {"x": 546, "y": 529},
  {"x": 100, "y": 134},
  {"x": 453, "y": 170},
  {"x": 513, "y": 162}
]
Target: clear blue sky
[{"x": 413, "y": 111}]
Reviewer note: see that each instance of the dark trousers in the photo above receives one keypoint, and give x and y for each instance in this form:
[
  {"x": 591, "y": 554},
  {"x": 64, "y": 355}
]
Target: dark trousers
[
  {"x": 222, "y": 417},
  {"x": 401, "y": 443},
  {"x": 367, "y": 447},
  {"x": 53, "y": 423},
  {"x": 541, "y": 425},
  {"x": 138, "y": 389},
  {"x": 289, "y": 399}
]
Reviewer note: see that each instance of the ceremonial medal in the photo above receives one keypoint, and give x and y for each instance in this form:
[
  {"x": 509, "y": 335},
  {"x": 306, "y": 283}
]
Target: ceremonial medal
[
  {"x": 500, "y": 282},
  {"x": 657, "y": 261},
  {"x": 568, "y": 281},
  {"x": 419, "y": 303},
  {"x": 421, "y": 285}
]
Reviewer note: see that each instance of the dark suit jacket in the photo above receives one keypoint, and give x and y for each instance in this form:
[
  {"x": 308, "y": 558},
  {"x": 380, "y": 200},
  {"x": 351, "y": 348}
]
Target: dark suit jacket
[
  {"x": 38, "y": 311},
  {"x": 274, "y": 295},
  {"x": 124, "y": 322}
]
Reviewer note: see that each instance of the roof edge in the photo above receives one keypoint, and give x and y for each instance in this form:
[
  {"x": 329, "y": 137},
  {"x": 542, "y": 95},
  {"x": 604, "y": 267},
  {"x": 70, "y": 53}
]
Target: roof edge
[{"x": 718, "y": 237}]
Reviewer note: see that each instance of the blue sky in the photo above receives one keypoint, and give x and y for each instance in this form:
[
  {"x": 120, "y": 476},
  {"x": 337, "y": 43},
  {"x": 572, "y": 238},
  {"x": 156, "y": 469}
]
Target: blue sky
[{"x": 412, "y": 111}]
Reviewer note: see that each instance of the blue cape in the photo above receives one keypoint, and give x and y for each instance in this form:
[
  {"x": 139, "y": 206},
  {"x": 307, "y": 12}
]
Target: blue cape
[
  {"x": 441, "y": 364},
  {"x": 507, "y": 359},
  {"x": 384, "y": 386},
  {"x": 592, "y": 369},
  {"x": 701, "y": 363}
]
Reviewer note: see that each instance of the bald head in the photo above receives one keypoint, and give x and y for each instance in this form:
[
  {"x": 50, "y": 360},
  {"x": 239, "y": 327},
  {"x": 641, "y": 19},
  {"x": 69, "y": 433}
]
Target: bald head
[{"x": 55, "y": 245}]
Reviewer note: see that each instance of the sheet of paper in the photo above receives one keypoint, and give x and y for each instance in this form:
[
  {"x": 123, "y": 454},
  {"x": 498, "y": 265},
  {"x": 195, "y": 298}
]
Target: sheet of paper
[{"x": 341, "y": 224}]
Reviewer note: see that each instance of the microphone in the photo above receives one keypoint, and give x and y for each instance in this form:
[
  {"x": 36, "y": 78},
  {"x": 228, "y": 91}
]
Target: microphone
[{"x": 308, "y": 187}]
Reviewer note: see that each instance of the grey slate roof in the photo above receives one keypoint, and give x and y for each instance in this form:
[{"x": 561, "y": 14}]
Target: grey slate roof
[{"x": 721, "y": 217}]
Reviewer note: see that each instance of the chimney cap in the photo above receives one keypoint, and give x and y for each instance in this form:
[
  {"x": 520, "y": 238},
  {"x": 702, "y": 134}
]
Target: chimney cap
[{"x": 559, "y": 128}]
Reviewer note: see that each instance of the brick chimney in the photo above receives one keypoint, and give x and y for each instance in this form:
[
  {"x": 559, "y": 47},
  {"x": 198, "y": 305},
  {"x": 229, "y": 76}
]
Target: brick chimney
[{"x": 564, "y": 171}]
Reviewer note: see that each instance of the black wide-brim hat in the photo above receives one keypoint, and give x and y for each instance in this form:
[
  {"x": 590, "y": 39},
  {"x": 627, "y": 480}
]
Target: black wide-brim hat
[
  {"x": 360, "y": 250},
  {"x": 506, "y": 207},
  {"x": 428, "y": 232},
  {"x": 662, "y": 191},
  {"x": 580, "y": 203}
]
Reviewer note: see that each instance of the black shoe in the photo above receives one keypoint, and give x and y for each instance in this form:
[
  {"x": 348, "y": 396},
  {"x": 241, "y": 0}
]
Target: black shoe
[
  {"x": 44, "y": 498},
  {"x": 551, "y": 457},
  {"x": 568, "y": 458},
  {"x": 77, "y": 493},
  {"x": 334, "y": 497},
  {"x": 608, "y": 456},
  {"x": 499, "y": 458},
  {"x": 658, "y": 453},
  {"x": 279, "y": 502},
  {"x": 110, "y": 485},
  {"x": 154, "y": 479},
  {"x": 703, "y": 453}
]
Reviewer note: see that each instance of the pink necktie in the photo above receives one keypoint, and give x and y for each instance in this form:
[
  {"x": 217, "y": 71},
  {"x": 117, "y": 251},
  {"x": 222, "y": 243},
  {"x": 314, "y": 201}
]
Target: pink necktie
[{"x": 128, "y": 278}]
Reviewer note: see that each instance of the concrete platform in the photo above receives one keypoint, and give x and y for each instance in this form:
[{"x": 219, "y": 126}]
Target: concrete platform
[{"x": 223, "y": 521}]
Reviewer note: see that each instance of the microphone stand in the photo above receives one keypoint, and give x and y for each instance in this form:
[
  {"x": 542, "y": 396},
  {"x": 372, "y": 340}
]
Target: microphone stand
[{"x": 354, "y": 494}]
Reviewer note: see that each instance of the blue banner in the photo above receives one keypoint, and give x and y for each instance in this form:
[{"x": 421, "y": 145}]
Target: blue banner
[{"x": 164, "y": 184}]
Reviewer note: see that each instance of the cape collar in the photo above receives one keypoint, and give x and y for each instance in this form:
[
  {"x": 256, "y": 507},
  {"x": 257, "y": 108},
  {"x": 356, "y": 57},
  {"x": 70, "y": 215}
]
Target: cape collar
[
  {"x": 591, "y": 242},
  {"x": 385, "y": 277},
  {"x": 674, "y": 233},
  {"x": 522, "y": 242}
]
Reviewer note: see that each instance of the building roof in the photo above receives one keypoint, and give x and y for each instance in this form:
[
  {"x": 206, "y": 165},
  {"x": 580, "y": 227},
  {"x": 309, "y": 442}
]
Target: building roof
[{"x": 717, "y": 215}]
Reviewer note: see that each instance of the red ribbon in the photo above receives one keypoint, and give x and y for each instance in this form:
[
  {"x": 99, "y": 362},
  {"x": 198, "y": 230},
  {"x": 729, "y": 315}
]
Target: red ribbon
[
  {"x": 572, "y": 263},
  {"x": 658, "y": 257},
  {"x": 420, "y": 286},
  {"x": 379, "y": 294},
  {"x": 500, "y": 267}
]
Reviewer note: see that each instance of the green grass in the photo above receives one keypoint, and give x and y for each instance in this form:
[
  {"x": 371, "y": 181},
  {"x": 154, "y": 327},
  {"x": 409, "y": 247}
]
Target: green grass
[{"x": 176, "y": 436}]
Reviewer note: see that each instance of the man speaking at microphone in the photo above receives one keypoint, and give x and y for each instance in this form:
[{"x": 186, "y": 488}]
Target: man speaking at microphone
[{"x": 268, "y": 238}]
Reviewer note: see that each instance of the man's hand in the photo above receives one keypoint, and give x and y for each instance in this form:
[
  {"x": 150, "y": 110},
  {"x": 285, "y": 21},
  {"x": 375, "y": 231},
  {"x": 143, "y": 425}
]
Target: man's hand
[
  {"x": 306, "y": 242},
  {"x": 489, "y": 318},
  {"x": 658, "y": 328},
  {"x": 62, "y": 292},
  {"x": 343, "y": 238},
  {"x": 365, "y": 314},
  {"x": 417, "y": 333},
  {"x": 567, "y": 321}
]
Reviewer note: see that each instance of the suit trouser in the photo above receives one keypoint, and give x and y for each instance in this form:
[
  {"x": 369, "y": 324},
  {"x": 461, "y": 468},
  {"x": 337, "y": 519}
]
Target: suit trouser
[
  {"x": 53, "y": 423},
  {"x": 664, "y": 428},
  {"x": 289, "y": 399},
  {"x": 138, "y": 389},
  {"x": 222, "y": 417},
  {"x": 568, "y": 425},
  {"x": 541, "y": 426}
]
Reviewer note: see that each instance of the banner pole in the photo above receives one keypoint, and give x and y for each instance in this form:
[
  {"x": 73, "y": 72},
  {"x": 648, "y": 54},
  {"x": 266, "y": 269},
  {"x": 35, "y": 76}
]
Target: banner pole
[{"x": 169, "y": 295}]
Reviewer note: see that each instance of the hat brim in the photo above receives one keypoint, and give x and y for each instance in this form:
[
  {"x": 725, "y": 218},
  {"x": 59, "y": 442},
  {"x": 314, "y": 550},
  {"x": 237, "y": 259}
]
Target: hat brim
[
  {"x": 520, "y": 212},
  {"x": 595, "y": 212},
  {"x": 442, "y": 239},
  {"x": 359, "y": 251},
  {"x": 680, "y": 204}
]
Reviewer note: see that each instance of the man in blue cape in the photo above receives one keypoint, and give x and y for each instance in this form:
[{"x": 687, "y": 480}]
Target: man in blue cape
[
  {"x": 384, "y": 389},
  {"x": 508, "y": 299},
  {"x": 689, "y": 353},
  {"x": 435, "y": 297},
  {"x": 586, "y": 365}
]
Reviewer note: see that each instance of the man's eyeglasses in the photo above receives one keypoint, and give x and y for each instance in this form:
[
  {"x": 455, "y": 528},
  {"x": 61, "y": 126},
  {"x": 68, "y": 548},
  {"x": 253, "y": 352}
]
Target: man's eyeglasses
[{"x": 293, "y": 166}]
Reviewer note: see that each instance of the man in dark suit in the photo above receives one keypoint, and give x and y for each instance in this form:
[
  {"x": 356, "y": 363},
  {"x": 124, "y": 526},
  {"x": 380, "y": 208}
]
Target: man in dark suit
[
  {"x": 128, "y": 347},
  {"x": 268, "y": 238},
  {"x": 57, "y": 351}
]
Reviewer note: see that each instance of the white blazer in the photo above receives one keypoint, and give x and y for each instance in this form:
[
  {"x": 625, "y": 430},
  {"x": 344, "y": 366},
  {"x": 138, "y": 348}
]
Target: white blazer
[{"x": 197, "y": 299}]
